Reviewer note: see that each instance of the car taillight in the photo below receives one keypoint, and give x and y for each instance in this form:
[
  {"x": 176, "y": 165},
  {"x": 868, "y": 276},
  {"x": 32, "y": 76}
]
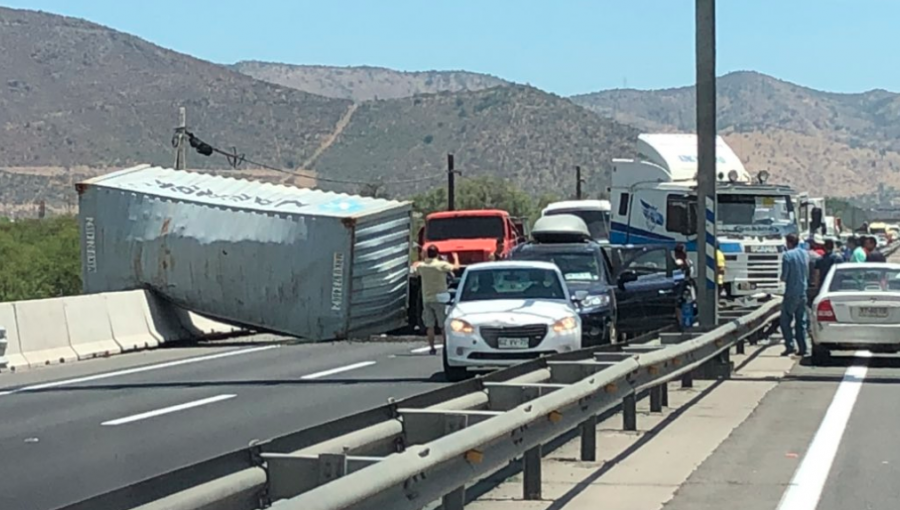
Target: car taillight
[{"x": 825, "y": 312}]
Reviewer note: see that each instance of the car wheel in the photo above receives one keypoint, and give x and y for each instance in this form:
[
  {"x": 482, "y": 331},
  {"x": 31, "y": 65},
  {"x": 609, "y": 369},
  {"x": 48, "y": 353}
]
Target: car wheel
[
  {"x": 820, "y": 355},
  {"x": 453, "y": 374}
]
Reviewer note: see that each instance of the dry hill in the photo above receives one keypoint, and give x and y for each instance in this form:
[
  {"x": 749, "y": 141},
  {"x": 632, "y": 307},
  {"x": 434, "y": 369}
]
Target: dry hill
[
  {"x": 366, "y": 83},
  {"x": 516, "y": 132},
  {"x": 76, "y": 93},
  {"x": 836, "y": 144}
]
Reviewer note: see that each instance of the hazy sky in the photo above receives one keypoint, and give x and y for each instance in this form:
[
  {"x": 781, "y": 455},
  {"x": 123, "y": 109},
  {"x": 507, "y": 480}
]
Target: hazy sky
[{"x": 563, "y": 46}]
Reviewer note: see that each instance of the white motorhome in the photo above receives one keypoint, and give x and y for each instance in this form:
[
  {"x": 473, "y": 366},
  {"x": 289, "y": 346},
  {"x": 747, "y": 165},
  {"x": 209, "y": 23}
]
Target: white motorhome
[
  {"x": 654, "y": 201},
  {"x": 595, "y": 214}
]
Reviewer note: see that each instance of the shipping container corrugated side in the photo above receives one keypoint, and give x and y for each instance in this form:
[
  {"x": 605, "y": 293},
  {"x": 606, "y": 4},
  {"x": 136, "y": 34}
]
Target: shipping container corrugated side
[{"x": 306, "y": 263}]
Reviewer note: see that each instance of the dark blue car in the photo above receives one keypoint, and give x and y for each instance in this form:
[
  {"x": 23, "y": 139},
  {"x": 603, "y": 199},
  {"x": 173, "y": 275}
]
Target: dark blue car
[{"x": 587, "y": 273}]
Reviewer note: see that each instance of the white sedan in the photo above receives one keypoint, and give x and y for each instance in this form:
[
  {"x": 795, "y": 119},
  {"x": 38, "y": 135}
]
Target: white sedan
[
  {"x": 507, "y": 312},
  {"x": 859, "y": 308}
]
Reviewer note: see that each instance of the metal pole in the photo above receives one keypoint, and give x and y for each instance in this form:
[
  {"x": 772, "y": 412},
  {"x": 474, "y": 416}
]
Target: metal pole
[
  {"x": 181, "y": 147},
  {"x": 706, "y": 159},
  {"x": 455, "y": 500},
  {"x": 629, "y": 412},
  {"x": 531, "y": 483},
  {"x": 577, "y": 182},
  {"x": 589, "y": 439},
  {"x": 451, "y": 184}
]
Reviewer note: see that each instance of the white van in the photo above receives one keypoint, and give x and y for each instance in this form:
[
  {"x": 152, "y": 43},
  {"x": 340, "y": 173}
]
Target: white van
[{"x": 595, "y": 214}]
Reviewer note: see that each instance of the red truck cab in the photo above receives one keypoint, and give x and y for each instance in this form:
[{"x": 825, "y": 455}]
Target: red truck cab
[{"x": 474, "y": 235}]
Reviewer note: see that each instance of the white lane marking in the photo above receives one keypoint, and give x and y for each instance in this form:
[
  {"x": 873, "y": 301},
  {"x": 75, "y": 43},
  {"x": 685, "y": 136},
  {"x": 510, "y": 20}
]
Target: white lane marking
[
  {"x": 166, "y": 410},
  {"x": 338, "y": 370},
  {"x": 138, "y": 370},
  {"x": 420, "y": 350},
  {"x": 806, "y": 486}
]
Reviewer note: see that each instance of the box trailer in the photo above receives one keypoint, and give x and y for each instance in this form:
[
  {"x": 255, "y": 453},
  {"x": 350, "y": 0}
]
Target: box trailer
[{"x": 302, "y": 262}]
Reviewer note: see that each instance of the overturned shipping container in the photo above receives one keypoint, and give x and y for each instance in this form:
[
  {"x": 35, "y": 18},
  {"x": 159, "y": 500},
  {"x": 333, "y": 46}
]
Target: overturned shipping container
[{"x": 303, "y": 262}]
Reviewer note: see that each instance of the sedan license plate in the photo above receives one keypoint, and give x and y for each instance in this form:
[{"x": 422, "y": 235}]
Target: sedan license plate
[
  {"x": 512, "y": 343},
  {"x": 876, "y": 312}
]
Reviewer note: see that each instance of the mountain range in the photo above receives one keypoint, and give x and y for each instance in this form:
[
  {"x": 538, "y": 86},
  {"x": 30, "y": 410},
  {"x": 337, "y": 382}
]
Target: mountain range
[{"x": 78, "y": 99}]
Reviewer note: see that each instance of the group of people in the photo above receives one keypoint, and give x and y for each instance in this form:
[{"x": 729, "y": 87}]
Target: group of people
[{"x": 804, "y": 270}]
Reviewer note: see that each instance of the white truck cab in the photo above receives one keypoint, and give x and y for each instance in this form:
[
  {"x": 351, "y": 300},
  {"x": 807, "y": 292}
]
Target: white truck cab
[
  {"x": 654, "y": 200},
  {"x": 595, "y": 213}
]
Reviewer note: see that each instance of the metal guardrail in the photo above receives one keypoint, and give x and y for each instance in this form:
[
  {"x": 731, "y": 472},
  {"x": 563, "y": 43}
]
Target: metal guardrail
[{"x": 428, "y": 447}]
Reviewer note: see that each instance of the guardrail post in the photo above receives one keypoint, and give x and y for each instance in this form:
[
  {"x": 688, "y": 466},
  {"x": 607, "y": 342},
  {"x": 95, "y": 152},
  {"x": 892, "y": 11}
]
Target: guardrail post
[
  {"x": 531, "y": 485},
  {"x": 740, "y": 347},
  {"x": 656, "y": 399},
  {"x": 455, "y": 500},
  {"x": 589, "y": 439},
  {"x": 719, "y": 367},
  {"x": 629, "y": 412},
  {"x": 687, "y": 380},
  {"x": 664, "y": 394}
]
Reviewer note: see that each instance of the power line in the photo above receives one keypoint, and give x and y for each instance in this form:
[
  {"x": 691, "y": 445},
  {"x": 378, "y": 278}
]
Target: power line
[{"x": 235, "y": 159}]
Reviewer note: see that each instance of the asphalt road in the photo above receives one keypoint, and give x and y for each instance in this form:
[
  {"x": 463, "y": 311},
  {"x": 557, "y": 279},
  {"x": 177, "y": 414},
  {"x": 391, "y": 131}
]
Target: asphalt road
[
  {"x": 70, "y": 433},
  {"x": 826, "y": 438}
]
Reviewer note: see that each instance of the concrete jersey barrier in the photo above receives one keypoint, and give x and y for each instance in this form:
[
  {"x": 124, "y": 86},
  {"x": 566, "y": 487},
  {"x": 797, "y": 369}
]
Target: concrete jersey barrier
[
  {"x": 88, "y": 321},
  {"x": 129, "y": 318},
  {"x": 43, "y": 332},
  {"x": 14, "y": 358}
]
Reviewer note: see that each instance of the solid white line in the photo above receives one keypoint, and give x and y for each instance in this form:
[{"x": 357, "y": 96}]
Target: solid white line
[
  {"x": 166, "y": 410},
  {"x": 138, "y": 370},
  {"x": 806, "y": 486},
  {"x": 338, "y": 370},
  {"x": 420, "y": 350}
]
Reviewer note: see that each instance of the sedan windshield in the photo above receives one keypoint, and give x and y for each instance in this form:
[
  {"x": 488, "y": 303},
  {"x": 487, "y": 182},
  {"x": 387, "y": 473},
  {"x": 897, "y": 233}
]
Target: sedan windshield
[
  {"x": 512, "y": 283},
  {"x": 859, "y": 279},
  {"x": 575, "y": 267}
]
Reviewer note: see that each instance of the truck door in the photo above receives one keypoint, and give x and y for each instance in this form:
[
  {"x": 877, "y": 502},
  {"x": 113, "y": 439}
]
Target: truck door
[{"x": 648, "y": 276}]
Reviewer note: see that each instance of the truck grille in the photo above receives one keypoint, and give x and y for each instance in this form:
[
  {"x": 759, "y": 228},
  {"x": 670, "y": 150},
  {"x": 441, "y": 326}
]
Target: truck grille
[
  {"x": 535, "y": 334},
  {"x": 471, "y": 257},
  {"x": 764, "y": 267}
]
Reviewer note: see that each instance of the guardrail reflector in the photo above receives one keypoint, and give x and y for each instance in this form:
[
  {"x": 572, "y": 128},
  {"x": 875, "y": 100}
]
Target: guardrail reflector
[
  {"x": 653, "y": 369},
  {"x": 474, "y": 456},
  {"x": 610, "y": 388},
  {"x": 555, "y": 416}
]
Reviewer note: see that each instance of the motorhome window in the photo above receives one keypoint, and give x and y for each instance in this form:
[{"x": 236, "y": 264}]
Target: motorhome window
[
  {"x": 741, "y": 209},
  {"x": 681, "y": 214},
  {"x": 623, "y": 203},
  {"x": 465, "y": 227},
  {"x": 596, "y": 221}
]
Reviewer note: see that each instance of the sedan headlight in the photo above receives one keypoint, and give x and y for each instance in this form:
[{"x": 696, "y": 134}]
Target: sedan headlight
[
  {"x": 461, "y": 326},
  {"x": 567, "y": 324},
  {"x": 598, "y": 300}
]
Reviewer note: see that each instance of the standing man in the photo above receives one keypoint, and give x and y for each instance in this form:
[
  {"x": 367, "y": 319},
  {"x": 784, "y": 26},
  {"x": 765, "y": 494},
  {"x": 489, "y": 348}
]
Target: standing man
[
  {"x": 815, "y": 254},
  {"x": 873, "y": 255},
  {"x": 857, "y": 252},
  {"x": 795, "y": 275},
  {"x": 832, "y": 257},
  {"x": 433, "y": 273}
]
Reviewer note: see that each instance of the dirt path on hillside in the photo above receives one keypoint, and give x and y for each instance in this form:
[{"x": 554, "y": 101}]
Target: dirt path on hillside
[{"x": 338, "y": 129}]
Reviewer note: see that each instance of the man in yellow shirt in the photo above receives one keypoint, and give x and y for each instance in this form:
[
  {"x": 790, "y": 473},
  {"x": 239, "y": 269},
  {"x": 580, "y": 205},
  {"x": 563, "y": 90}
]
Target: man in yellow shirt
[
  {"x": 433, "y": 274},
  {"x": 720, "y": 267}
]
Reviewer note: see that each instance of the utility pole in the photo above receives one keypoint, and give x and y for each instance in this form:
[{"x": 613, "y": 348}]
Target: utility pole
[
  {"x": 451, "y": 184},
  {"x": 578, "y": 182},
  {"x": 707, "y": 296},
  {"x": 180, "y": 145}
]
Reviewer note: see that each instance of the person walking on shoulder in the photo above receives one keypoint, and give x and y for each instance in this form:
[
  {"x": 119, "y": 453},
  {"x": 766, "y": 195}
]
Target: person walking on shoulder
[
  {"x": 433, "y": 273},
  {"x": 795, "y": 275}
]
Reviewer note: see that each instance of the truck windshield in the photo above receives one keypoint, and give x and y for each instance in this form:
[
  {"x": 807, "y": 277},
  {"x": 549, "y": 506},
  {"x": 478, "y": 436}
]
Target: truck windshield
[
  {"x": 575, "y": 267},
  {"x": 597, "y": 221},
  {"x": 518, "y": 283},
  {"x": 465, "y": 227},
  {"x": 754, "y": 210}
]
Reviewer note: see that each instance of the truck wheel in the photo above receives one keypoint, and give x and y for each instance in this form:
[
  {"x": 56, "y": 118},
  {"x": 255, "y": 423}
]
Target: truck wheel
[{"x": 453, "y": 374}]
